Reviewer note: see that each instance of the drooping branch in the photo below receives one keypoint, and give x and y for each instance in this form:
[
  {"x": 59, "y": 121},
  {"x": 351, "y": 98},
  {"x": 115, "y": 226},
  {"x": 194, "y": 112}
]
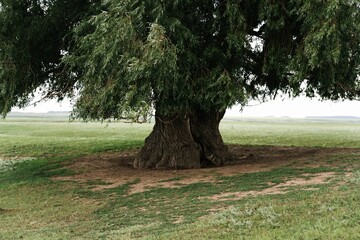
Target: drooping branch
[{"x": 346, "y": 88}]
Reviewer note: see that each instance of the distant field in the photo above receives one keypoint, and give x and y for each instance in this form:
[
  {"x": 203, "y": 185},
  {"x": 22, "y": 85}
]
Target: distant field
[{"x": 293, "y": 179}]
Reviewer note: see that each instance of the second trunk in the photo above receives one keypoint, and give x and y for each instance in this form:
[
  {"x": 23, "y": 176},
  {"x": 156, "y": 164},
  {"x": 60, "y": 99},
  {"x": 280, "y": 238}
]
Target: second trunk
[{"x": 206, "y": 133}]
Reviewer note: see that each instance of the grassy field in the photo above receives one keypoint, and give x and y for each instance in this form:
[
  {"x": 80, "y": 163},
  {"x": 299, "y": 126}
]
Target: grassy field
[{"x": 41, "y": 199}]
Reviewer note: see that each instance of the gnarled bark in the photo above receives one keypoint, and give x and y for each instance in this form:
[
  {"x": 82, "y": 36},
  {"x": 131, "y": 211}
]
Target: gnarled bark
[
  {"x": 186, "y": 142},
  {"x": 205, "y": 131},
  {"x": 169, "y": 145}
]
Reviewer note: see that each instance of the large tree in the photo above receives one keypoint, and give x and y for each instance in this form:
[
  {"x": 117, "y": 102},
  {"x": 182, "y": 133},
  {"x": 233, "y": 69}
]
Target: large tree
[{"x": 187, "y": 61}]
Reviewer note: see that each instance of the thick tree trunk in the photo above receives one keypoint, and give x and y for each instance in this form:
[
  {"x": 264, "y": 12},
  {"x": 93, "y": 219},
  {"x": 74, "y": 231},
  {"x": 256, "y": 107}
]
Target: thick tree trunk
[
  {"x": 184, "y": 142},
  {"x": 205, "y": 131},
  {"x": 170, "y": 145}
]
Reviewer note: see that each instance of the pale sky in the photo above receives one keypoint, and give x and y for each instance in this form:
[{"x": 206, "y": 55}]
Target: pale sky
[{"x": 299, "y": 107}]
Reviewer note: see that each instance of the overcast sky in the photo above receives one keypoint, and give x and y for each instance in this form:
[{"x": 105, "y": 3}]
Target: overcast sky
[{"x": 299, "y": 107}]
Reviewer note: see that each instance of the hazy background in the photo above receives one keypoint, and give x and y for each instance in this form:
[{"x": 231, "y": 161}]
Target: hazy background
[{"x": 296, "y": 108}]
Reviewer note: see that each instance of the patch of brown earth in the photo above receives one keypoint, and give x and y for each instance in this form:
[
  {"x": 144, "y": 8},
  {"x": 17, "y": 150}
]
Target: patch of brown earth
[
  {"x": 3, "y": 211},
  {"x": 178, "y": 220},
  {"x": 116, "y": 169},
  {"x": 282, "y": 188}
]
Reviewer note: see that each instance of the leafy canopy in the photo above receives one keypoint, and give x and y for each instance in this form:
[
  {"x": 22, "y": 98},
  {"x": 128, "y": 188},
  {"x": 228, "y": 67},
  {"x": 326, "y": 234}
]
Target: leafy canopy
[
  {"x": 34, "y": 36},
  {"x": 127, "y": 57}
]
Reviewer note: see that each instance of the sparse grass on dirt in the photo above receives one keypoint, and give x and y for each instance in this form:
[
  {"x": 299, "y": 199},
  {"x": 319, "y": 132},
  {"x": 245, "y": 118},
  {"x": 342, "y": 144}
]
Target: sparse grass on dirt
[{"x": 291, "y": 180}]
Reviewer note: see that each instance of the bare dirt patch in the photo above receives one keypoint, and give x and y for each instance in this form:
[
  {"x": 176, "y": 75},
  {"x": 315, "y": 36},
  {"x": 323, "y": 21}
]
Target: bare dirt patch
[
  {"x": 3, "y": 211},
  {"x": 116, "y": 169},
  {"x": 178, "y": 220},
  {"x": 282, "y": 188}
]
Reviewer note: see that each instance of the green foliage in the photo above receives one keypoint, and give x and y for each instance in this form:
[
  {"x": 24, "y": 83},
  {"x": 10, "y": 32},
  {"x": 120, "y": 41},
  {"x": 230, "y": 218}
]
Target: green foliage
[
  {"x": 328, "y": 55},
  {"x": 126, "y": 58},
  {"x": 34, "y": 36},
  {"x": 158, "y": 57}
]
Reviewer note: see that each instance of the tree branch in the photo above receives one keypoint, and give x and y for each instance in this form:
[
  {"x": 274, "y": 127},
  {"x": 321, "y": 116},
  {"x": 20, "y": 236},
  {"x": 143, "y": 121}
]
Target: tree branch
[{"x": 348, "y": 89}]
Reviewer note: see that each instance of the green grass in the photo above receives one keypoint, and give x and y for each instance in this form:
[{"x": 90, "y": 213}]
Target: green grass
[
  {"x": 68, "y": 139},
  {"x": 325, "y": 214},
  {"x": 293, "y": 133},
  {"x": 33, "y": 206}
]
